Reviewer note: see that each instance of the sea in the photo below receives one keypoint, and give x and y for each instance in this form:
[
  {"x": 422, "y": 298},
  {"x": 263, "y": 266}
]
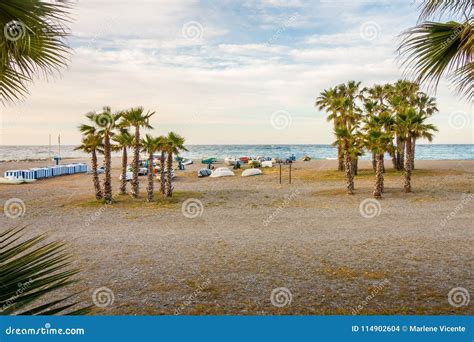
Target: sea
[{"x": 423, "y": 152}]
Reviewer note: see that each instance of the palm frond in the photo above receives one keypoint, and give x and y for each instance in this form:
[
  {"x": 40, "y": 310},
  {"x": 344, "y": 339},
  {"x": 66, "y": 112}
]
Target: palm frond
[{"x": 33, "y": 270}]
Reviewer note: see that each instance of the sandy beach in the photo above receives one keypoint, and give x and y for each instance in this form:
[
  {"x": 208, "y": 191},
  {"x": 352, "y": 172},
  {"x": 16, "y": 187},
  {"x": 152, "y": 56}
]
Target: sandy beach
[{"x": 254, "y": 235}]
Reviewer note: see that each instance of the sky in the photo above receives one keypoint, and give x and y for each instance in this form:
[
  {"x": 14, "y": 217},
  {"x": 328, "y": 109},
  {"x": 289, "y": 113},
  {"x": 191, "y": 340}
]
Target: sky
[{"x": 223, "y": 71}]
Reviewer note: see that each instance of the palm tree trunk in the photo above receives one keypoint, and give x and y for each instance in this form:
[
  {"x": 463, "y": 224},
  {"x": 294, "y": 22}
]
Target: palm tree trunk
[
  {"x": 123, "y": 183},
  {"x": 408, "y": 166},
  {"x": 374, "y": 161},
  {"x": 340, "y": 158},
  {"x": 136, "y": 159},
  {"x": 95, "y": 176},
  {"x": 394, "y": 160},
  {"x": 378, "y": 187},
  {"x": 400, "y": 153},
  {"x": 382, "y": 161},
  {"x": 354, "y": 164},
  {"x": 169, "y": 180},
  {"x": 162, "y": 175},
  {"x": 107, "y": 175},
  {"x": 413, "y": 154},
  {"x": 348, "y": 168},
  {"x": 150, "y": 175}
]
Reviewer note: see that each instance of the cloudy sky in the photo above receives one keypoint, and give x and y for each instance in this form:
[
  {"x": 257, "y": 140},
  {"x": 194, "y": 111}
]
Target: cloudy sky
[{"x": 223, "y": 72}]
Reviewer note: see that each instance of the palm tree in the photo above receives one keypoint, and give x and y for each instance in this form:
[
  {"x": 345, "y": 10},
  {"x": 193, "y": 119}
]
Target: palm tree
[
  {"x": 378, "y": 142},
  {"x": 350, "y": 116},
  {"x": 426, "y": 107},
  {"x": 32, "y": 269},
  {"x": 161, "y": 146},
  {"x": 401, "y": 98},
  {"x": 107, "y": 123},
  {"x": 149, "y": 146},
  {"x": 33, "y": 42},
  {"x": 413, "y": 125},
  {"x": 174, "y": 144},
  {"x": 123, "y": 140},
  {"x": 327, "y": 101},
  {"x": 136, "y": 118},
  {"x": 92, "y": 143},
  {"x": 430, "y": 49}
]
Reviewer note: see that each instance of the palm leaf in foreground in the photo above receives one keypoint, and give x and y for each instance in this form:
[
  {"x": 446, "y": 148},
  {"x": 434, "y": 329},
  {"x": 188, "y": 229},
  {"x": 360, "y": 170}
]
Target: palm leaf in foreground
[{"x": 32, "y": 269}]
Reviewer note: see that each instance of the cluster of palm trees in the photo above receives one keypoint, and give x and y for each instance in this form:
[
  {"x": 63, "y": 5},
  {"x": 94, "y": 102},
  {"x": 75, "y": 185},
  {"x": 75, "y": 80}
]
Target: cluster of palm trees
[
  {"x": 107, "y": 131},
  {"x": 382, "y": 119}
]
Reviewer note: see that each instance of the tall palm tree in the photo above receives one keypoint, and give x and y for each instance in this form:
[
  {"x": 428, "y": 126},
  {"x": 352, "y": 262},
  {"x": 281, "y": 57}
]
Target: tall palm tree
[
  {"x": 92, "y": 143},
  {"x": 430, "y": 49},
  {"x": 32, "y": 42},
  {"x": 350, "y": 115},
  {"x": 136, "y": 118},
  {"x": 123, "y": 141},
  {"x": 149, "y": 146},
  {"x": 378, "y": 142},
  {"x": 107, "y": 123},
  {"x": 401, "y": 98},
  {"x": 426, "y": 106},
  {"x": 161, "y": 146},
  {"x": 413, "y": 124},
  {"x": 327, "y": 101},
  {"x": 174, "y": 144}
]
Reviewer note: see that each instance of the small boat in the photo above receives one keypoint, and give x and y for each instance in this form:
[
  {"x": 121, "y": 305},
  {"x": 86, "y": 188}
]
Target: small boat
[
  {"x": 276, "y": 160},
  {"x": 251, "y": 172},
  {"x": 209, "y": 160},
  {"x": 221, "y": 172},
  {"x": 230, "y": 161},
  {"x": 15, "y": 181},
  {"x": 306, "y": 158},
  {"x": 267, "y": 163},
  {"x": 244, "y": 159},
  {"x": 254, "y": 163},
  {"x": 187, "y": 161},
  {"x": 204, "y": 173}
]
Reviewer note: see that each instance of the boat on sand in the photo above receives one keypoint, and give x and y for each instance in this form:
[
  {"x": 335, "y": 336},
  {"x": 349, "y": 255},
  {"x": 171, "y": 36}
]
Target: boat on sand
[
  {"x": 222, "y": 172},
  {"x": 251, "y": 172}
]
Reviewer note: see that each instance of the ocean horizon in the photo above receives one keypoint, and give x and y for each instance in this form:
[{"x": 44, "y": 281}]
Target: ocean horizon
[{"x": 220, "y": 151}]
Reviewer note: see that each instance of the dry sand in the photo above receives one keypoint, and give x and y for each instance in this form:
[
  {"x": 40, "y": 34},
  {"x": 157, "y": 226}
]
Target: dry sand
[{"x": 255, "y": 235}]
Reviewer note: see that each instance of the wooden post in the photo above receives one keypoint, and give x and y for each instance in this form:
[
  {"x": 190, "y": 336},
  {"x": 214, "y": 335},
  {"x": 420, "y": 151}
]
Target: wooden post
[
  {"x": 280, "y": 172},
  {"x": 289, "y": 180}
]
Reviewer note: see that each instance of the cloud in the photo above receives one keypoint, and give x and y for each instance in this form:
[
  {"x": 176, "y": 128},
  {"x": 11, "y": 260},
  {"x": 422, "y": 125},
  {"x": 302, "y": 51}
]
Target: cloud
[{"x": 250, "y": 61}]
